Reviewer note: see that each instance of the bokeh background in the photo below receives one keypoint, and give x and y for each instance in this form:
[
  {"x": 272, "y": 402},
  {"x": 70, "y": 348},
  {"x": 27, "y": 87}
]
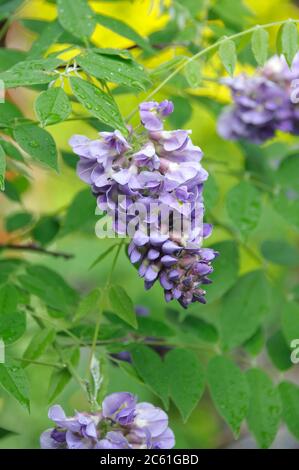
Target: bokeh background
[{"x": 51, "y": 193}]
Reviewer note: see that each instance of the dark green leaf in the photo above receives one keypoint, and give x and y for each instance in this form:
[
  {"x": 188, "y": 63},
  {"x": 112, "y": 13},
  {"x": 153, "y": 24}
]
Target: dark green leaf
[
  {"x": 52, "y": 106},
  {"x": 80, "y": 213},
  {"x": 2, "y": 168},
  {"x": 260, "y": 45},
  {"x": 255, "y": 344},
  {"x": 152, "y": 327},
  {"x": 99, "y": 104},
  {"x": 10, "y": 57},
  {"x": 182, "y": 112},
  {"x": 279, "y": 351},
  {"x": 46, "y": 229},
  {"x": 38, "y": 143},
  {"x": 122, "y": 305},
  {"x": 5, "y": 433},
  {"x": 13, "y": 379},
  {"x": 18, "y": 221},
  {"x": 211, "y": 192},
  {"x": 186, "y": 380},
  {"x": 264, "y": 407},
  {"x": 199, "y": 328},
  {"x": 244, "y": 207},
  {"x": 76, "y": 17},
  {"x": 12, "y": 151},
  {"x": 289, "y": 394},
  {"x": 226, "y": 269},
  {"x": 280, "y": 252},
  {"x": 290, "y": 321}
]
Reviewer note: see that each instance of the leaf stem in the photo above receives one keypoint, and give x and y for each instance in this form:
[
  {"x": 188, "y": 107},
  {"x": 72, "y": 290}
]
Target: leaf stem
[{"x": 36, "y": 249}]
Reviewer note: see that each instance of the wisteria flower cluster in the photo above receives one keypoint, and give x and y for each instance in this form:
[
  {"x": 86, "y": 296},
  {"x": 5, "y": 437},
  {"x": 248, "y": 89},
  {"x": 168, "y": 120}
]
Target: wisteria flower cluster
[
  {"x": 122, "y": 423},
  {"x": 151, "y": 171},
  {"x": 262, "y": 103}
]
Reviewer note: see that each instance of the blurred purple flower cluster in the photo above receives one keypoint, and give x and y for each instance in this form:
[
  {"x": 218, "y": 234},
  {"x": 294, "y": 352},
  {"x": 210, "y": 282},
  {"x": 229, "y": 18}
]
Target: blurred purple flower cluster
[
  {"x": 122, "y": 423},
  {"x": 262, "y": 103},
  {"x": 152, "y": 171}
]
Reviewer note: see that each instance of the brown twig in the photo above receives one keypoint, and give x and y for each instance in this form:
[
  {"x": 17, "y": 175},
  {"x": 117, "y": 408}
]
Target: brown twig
[{"x": 36, "y": 249}]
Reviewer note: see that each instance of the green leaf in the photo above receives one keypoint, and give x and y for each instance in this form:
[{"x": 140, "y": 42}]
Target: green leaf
[
  {"x": 211, "y": 192},
  {"x": 152, "y": 371},
  {"x": 182, "y": 112},
  {"x": 80, "y": 213},
  {"x": 60, "y": 378},
  {"x": 6, "y": 433},
  {"x": 18, "y": 221},
  {"x": 121, "y": 28},
  {"x": 287, "y": 207},
  {"x": 8, "y": 267},
  {"x": 255, "y": 343},
  {"x": 186, "y": 380},
  {"x": 192, "y": 73},
  {"x": 243, "y": 309},
  {"x": 290, "y": 321},
  {"x": 289, "y": 40},
  {"x": 12, "y": 151},
  {"x": 8, "y": 113},
  {"x": 226, "y": 269},
  {"x": 89, "y": 304},
  {"x": 52, "y": 106},
  {"x": 122, "y": 305},
  {"x": 50, "y": 287},
  {"x": 99, "y": 104},
  {"x": 2, "y": 168},
  {"x": 114, "y": 69},
  {"x": 14, "y": 380},
  {"x": 199, "y": 328},
  {"x": 39, "y": 344},
  {"x": 264, "y": 407},
  {"x": 8, "y": 7},
  {"x": 31, "y": 72},
  {"x": 260, "y": 45},
  {"x": 228, "y": 56},
  {"x": 229, "y": 390},
  {"x": 76, "y": 17},
  {"x": 280, "y": 252},
  {"x": 287, "y": 173},
  {"x": 244, "y": 207},
  {"x": 10, "y": 57},
  {"x": 289, "y": 394},
  {"x": 155, "y": 328},
  {"x": 279, "y": 351},
  {"x": 12, "y": 322},
  {"x": 46, "y": 229},
  {"x": 49, "y": 35},
  {"x": 103, "y": 256},
  {"x": 38, "y": 143}
]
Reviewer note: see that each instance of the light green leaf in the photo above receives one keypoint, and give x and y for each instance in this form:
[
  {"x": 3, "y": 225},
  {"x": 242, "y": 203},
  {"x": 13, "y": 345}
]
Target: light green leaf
[
  {"x": 228, "y": 56},
  {"x": 39, "y": 344},
  {"x": 89, "y": 304},
  {"x": 289, "y": 41},
  {"x": 186, "y": 380},
  {"x": 31, "y": 72},
  {"x": 38, "y": 143},
  {"x": 14, "y": 380},
  {"x": 260, "y": 45},
  {"x": 244, "y": 207},
  {"x": 60, "y": 378},
  {"x": 290, "y": 321},
  {"x": 114, "y": 69},
  {"x": 229, "y": 390},
  {"x": 152, "y": 371},
  {"x": 287, "y": 172},
  {"x": 52, "y": 106},
  {"x": 243, "y": 309},
  {"x": 122, "y": 305},
  {"x": 192, "y": 73},
  {"x": 99, "y": 104},
  {"x": 289, "y": 394},
  {"x": 76, "y": 17},
  {"x": 264, "y": 407},
  {"x": 49, "y": 36},
  {"x": 226, "y": 269},
  {"x": 2, "y": 168}
]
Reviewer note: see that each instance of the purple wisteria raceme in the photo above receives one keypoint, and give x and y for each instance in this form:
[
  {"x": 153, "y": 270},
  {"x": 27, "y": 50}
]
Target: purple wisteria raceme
[
  {"x": 158, "y": 175},
  {"x": 122, "y": 423},
  {"x": 262, "y": 103}
]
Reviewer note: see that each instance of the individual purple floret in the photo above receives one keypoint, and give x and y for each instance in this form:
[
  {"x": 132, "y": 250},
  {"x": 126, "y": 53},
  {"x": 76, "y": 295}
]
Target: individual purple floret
[
  {"x": 158, "y": 175},
  {"x": 262, "y": 103},
  {"x": 122, "y": 423}
]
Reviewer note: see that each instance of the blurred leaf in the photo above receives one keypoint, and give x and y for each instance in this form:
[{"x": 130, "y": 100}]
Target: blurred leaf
[
  {"x": 152, "y": 327},
  {"x": 39, "y": 344},
  {"x": 255, "y": 343},
  {"x": 211, "y": 192},
  {"x": 243, "y": 309},
  {"x": 31, "y": 72},
  {"x": 14, "y": 380},
  {"x": 12, "y": 322},
  {"x": 70, "y": 159},
  {"x": 49, "y": 35},
  {"x": 89, "y": 304},
  {"x": 6, "y": 433},
  {"x": 10, "y": 57},
  {"x": 8, "y": 113},
  {"x": 103, "y": 256},
  {"x": 80, "y": 212},
  {"x": 192, "y": 73},
  {"x": 260, "y": 45},
  {"x": 280, "y": 252},
  {"x": 199, "y": 328},
  {"x": 279, "y": 351},
  {"x": 244, "y": 207},
  {"x": 7, "y": 268},
  {"x": 122, "y": 305},
  {"x": 226, "y": 269},
  {"x": 151, "y": 369},
  {"x": 287, "y": 206},
  {"x": 76, "y": 17},
  {"x": 121, "y": 28},
  {"x": 38, "y": 143},
  {"x": 289, "y": 40},
  {"x": 2, "y": 168},
  {"x": 8, "y": 7},
  {"x": 11, "y": 192},
  {"x": 186, "y": 380},
  {"x": 46, "y": 229},
  {"x": 50, "y": 287},
  {"x": 12, "y": 151},
  {"x": 228, "y": 56},
  {"x": 182, "y": 112},
  {"x": 232, "y": 12},
  {"x": 52, "y": 106},
  {"x": 99, "y": 104},
  {"x": 229, "y": 390},
  {"x": 130, "y": 371},
  {"x": 289, "y": 394},
  {"x": 290, "y": 321},
  {"x": 17, "y": 221},
  {"x": 287, "y": 172},
  {"x": 60, "y": 378},
  {"x": 114, "y": 69},
  {"x": 264, "y": 408}
]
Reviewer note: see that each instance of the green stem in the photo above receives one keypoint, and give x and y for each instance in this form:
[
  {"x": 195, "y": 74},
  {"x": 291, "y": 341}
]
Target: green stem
[{"x": 204, "y": 52}]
